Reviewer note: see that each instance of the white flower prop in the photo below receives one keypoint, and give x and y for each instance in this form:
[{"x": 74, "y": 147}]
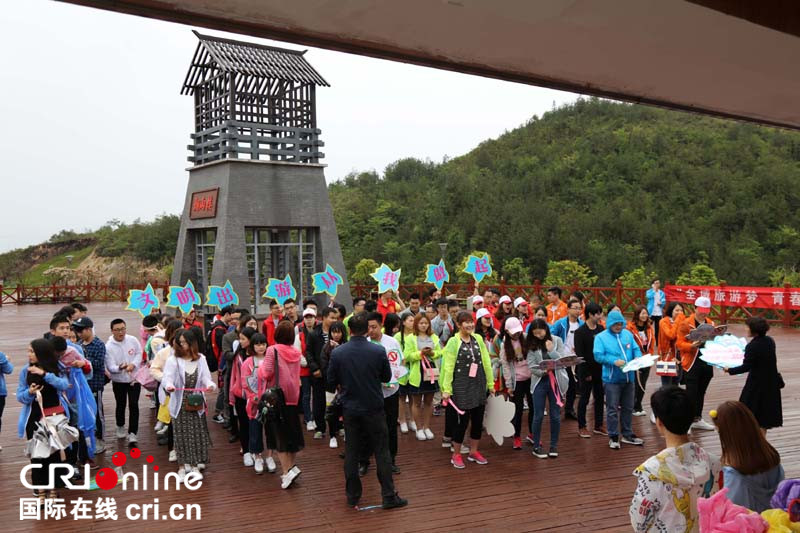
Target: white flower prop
[
  {"x": 499, "y": 414},
  {"x": 725, "y": 351},
  {"x": 645, "y": 361}
]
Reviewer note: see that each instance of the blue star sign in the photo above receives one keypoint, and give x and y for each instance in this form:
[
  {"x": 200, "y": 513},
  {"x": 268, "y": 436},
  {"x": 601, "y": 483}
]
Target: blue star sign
[
  {"x": 184, "y": 298},
  {"x": 479, "y": 267},
  {"x": 327, "y": 281},
  {"x": 280, "y": 290},
  {"x": 142, "y": 301},
  {"x": 387, "y": 278},
  {"x": 437, "y": 274},
  {"x": 220, "y": 296}
]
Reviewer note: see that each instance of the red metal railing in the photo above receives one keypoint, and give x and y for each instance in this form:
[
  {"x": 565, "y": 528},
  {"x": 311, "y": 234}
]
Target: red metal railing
[{"x": 72, "y": 293}]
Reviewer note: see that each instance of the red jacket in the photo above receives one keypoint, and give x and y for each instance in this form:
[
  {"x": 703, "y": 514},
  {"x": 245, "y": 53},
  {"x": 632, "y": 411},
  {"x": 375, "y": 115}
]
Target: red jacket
[
  {"x": 268, "y": 329},
  {"x": 384, "y": 310}
]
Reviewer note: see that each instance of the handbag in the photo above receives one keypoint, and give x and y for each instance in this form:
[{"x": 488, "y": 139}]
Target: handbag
[
  {"x": 143, "y": 377},
  {"x": 667, "y": 368},
  {"x": 273, "y": 400},
  {"x": 51, "y": 434},
  {"x": 195, "y": 401}
]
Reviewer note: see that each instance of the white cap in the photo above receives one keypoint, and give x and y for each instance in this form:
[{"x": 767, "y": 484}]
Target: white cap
[
  {"x": 309, "y": 311},
  {"x": 519, "y": 301},
  {"x": 504, "y": 299},
  {"x": 477, "y": 299},
  {"x": 513, "y": 325},
  {"x": 482, "y": 312},
  {"x": 703, "y": 304}
]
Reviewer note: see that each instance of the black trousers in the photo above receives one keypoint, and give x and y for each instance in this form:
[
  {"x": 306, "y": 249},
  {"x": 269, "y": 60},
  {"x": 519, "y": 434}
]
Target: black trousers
[
  {"x": 372, "y": 435},
  {"x": 656, "y": 319},
  {"x": 697, "y": 380},
  {"x": 318, "y": 402},
  {"x": 590, "y": 382},
  {"x": 127, "y": 393},
  {"x": 244, "y": 424},
  {"x": 450, "y": 418},
  {"x": 2, "y": 408},
  {"x": 641, "y": 384},
  {"x": 522, "y": 390},
  {"x": 569, "y": 404},
  {"x": 473, "y": 417},
  {"x": 391, "y": 409}
]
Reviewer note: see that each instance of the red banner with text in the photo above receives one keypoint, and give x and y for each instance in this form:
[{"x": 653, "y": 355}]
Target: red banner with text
[{"x": 758, "y": 297}]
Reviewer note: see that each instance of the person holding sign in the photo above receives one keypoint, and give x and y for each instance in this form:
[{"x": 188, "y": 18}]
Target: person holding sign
[
  {"x": 466, "y": 375},
  {"x": 421, "y": 356},
  {"x": 614, "y": 348},
  {"x": 389, "y": 303},
  {"x": 546, "y": 385},
  {"x": 644, "y": 334},
  {"x": 697, "y": 373}
]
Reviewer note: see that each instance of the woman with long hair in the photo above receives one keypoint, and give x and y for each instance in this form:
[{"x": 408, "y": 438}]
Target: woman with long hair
[
  {"x": 517, "y": 376},
  {"x": 751, "y": 466},
  {"x": 163, "y": 426},
  {"x": 336, "y": 337},
  {"x": 405, "y": 337},
  {"x": 762, "y": 390},
  {"x": 423, "y": 375},
  {"x": 281, "y": 368},
  {"x": 484, "y": 327},
  {"x": 252, "y": 389},
  {"x": 667, "y": 336},
  {"x": 547, "y": 385},
  {"x": 186, "y": 378},
  {"x": 43, "y": 376},
  {"x": 643, "y": 332},
  {"x": 237, "y": 398}
]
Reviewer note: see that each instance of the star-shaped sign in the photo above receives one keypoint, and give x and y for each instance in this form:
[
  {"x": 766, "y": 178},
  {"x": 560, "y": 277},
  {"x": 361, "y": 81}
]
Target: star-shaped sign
[
  {"x": 437, "y": 274},
  {"x": 184, "y": 298},
  {"x": 280, "y": 290},
  {"x": 220, "y": 296},
  {"x": 142, "y": 301},
  {"x": 479, "y": 267},
  {"x": 386, "y": 278},
  {"x": 327, "y": 281}
]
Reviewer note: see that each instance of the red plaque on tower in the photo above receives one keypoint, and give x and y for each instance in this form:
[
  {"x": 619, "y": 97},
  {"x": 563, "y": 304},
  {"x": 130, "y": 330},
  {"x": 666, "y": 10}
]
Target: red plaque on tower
[{"x": 204, "y": 204}]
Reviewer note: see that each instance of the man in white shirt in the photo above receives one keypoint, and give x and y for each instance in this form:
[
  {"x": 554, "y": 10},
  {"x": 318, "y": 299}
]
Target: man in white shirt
[{"x": 123, "y": 359}]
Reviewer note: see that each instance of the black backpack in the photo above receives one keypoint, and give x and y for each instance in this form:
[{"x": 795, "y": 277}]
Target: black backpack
[{"x": 211, "y": 348}]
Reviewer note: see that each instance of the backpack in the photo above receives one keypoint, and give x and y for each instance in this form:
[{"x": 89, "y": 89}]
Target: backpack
[{"x": 212, "y": 350}]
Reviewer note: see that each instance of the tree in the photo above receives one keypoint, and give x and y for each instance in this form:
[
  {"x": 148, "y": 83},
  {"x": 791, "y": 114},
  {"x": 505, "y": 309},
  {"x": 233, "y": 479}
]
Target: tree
[
  {"x": 363, "y": 271},
  {"x": 699, "y": 274},
  {"x": 516, "y": 273},
  {"x": 637, "y": 278},
  {"x": 566, "y": 272},
  {"x": 778, "y": 277}
]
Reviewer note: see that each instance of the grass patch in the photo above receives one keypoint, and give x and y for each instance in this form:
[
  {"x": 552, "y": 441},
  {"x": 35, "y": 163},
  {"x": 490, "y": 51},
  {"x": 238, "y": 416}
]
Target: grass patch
[{"x": 35, "y": 276}]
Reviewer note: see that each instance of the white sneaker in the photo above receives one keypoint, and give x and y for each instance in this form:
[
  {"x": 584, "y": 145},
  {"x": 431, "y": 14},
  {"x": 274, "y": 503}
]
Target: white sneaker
[
  {"x": 403, "y": 427},
  {"x": 640, "y": 413},
  {"x": 100, "y": 446},
  {"x": 173, "y": 456},
  {"x": 311, "y": 425},
  {"x": 412, "y": 426},
  {"x": 465, "y": 448},
  {"x": 421, "y": 435},
  {"x": 334, "y": 443},
  {"x": 132, "y": 439},
  {"x": 201, "y": 466},
  {"x": 259, "y": 464},
  {"x": 197, "y": 471},
  {"x": 159, "y": 426},
  {"x": 182, "y": 474},
  {"x": 702, "y": 424},
  {"x": 271, "y": 467},
  {"x": 289, "y": 477},
  {"x": 341, "y": 432},
  {"x": 163, "y": 431},
  {"x": 121, "y": 432},
  {"x": 652, "y": 417},
  {"x": 248, "y": 459},
  {"x": 428, "y": 434}
]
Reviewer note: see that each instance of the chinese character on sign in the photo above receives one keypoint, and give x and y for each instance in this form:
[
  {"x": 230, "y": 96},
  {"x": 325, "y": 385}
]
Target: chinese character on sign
[
  {"x": 777, "y": 298},
  {"x": 705, "y": 293},
  {"x": 224, "y": 296},
  {"x": 81, "y": 509},
  {"x": 794, "y": 299},
  {"x": 220, "y": 296},
  {"x": 29, "y": 509},
  {"x": 105, "y": 509},
  {"x": 280, "y": 290},
  {"x": 387, "y": 278},
  {"x": 437, "y": 274},
  {"x": 327, "y": 281},
  {"x": 142, "y": 301},
  {"x": 479, "y": 267},
  {"x": 719, "y": 295},
  {"x": 751, "y": 296},
  {"x": 736, "y": 297},
  {"x": 690, "y": 294},
  {"x": 184, "y": 298},
  {"x": 283, "y": 289},
  {"x": 55, "y": 508}
]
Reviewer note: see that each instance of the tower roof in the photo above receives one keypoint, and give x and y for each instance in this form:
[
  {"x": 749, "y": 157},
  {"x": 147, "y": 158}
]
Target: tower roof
[{"x": 216, "y": 54}]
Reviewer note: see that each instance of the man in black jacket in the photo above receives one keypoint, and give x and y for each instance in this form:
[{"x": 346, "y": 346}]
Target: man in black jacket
[
  {"x": 359, "y": 368},
  {"x": 590, "y": 372},
  {"x": 315, "y": 342}
]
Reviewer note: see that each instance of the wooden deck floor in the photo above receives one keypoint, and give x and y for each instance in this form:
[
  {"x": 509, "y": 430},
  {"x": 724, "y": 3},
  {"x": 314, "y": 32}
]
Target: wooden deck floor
[{"x": 587, "y": 488}]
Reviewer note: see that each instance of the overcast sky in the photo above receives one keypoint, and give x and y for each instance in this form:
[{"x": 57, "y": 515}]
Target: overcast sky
[{"x": 94, "y": 127}]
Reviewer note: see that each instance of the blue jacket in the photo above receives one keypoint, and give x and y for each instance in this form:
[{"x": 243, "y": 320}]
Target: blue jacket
[
  {"x": 561, "y": 327},
  {"x": 651, "y": 299},
  {"x": 5, "y": 368},
  {"x": 610, "y": 346},
  {"x": 26, "y": 399}
]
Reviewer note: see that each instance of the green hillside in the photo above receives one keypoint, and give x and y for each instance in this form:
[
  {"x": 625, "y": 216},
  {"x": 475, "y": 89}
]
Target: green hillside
[{"x": 613, "y": 186}]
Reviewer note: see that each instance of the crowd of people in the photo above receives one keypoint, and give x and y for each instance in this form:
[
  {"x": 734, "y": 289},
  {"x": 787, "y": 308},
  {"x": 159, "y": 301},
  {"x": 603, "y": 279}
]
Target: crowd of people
[{"x": 324, "y": 372}]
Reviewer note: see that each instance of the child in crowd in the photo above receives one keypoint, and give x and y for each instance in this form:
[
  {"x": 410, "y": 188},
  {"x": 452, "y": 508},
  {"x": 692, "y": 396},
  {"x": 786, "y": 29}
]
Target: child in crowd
[
  {"x": 253, "y": 388},
  {"x": 669, "y": 483}
]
